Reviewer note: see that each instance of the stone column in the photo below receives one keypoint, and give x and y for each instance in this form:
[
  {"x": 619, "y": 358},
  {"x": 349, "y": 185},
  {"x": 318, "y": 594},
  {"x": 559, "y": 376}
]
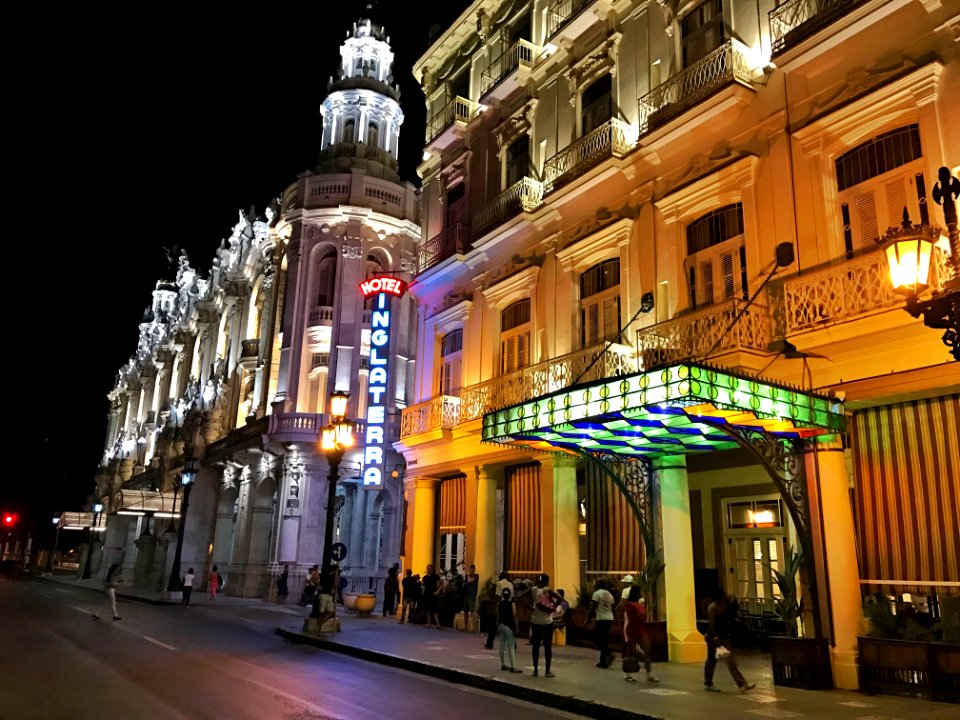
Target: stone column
[
  {"x": 559, "y": 526},
  {"x": 685, "y": 642},
  {"x": 826, "y": 468},
  {"x": 423, "y": 551},
  {"x": 484, "y": 552}
]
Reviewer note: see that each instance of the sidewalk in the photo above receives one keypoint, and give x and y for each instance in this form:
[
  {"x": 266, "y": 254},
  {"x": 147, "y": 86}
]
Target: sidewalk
[{"x": 579, "y": 687}]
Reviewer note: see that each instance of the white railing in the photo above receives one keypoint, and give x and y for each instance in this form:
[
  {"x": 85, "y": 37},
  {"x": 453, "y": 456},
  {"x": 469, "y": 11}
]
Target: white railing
[
  {"x": 614, "y": 138},
  {"x": 728, "y": 63},
  {"x": 522, "y": 52},
  {"x": 526, "y": 194},
  {"x": 848, "y": 290},
  {"x": 320, "y": 314},
  {"x": 562, "y": 12},
  {"x": 788, "y": 18},
  {"x": 439, "y": 413},
  {"x": 458, "y": 109},
  {"x": 691, "y": 337},
  {"x": 295, "y": 427},
  {"x": 544, "y": 378}
]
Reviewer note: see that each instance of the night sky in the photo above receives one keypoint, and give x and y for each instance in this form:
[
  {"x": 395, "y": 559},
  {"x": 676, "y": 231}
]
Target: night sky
[{"x": 127, "y": 135}]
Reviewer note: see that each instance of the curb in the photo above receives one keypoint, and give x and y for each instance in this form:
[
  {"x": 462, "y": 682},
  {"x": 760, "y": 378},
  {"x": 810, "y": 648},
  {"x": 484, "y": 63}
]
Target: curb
[
  {"x": 123, "y": 595},
  {"x": 569, "y": 703}
]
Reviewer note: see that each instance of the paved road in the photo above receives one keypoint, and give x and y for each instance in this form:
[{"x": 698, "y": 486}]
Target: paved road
[{"x": 171, "y": 662}]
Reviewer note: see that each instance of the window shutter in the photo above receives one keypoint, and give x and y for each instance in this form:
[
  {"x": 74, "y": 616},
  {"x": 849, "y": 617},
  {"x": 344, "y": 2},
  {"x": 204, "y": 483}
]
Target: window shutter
[
  {"x": 611, "y": 316},
  {"x": 896, "y": 201},
  {"x": 726, "y": 268},
  {"x": 593, "y": 324},
  {"x": 523, "y": 350},
  {"x": 867, "y": 225},
  {"x": 706, "y": 282}
]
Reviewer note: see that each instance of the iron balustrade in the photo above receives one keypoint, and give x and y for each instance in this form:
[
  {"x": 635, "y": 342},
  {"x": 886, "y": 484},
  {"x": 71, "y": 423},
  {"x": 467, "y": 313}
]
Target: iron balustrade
[
  {"x": 452, "y": 240},
  {"x": 439, "y": 413},
  {"x": 614, "y": 138},
  {"x": 526, "y": 194},
  {"x": 562, "y": 12},
  {"x": 458, "y": 109},
  {"x": 728, "y": 63},
  {"x": 522, "y": 52},
  {"x": 795, "y": 20},
  {"x": 690, "y": 337}
]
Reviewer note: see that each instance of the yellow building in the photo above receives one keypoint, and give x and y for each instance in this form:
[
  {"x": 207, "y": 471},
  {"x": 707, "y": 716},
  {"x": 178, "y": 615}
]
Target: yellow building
[{"x": 651, "y": 284}]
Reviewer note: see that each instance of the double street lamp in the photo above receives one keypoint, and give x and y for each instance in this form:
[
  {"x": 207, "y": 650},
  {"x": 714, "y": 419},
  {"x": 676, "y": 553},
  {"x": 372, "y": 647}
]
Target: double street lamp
[
  {"x": 97, "y": 509},
  {"x": 187, "y": 477},
  {"x": 335, "y": 438}
]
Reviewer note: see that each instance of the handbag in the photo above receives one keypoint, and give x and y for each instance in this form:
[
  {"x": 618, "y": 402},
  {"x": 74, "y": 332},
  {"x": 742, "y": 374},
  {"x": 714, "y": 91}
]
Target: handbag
[
  {"x": 630, "y": 665},
  {"x": 546, "y": 603}
]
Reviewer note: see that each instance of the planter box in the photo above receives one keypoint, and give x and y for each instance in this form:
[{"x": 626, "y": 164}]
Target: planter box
[
  {"x": 801, "y": 663},
  {"x": 903, "y": 667}
]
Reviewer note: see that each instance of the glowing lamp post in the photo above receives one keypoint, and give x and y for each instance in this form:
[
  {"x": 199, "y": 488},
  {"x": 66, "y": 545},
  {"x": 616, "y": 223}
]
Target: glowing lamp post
[
  {"x": 97, "y": 509},
  {"x": 909, "y": 250},
  {"x": 187, "y": 477},
  {"x": 56, "y": 542},
  {"x": 336, "y": 437}
]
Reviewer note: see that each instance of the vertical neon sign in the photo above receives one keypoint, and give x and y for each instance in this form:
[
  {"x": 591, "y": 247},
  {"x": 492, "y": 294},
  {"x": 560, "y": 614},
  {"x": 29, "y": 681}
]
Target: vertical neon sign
[{"x": 379, "y": 380}]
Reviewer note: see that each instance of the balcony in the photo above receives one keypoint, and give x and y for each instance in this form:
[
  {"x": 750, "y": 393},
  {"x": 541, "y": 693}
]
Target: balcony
[
  {"x": 439, "y": 413},
  {"x": 691, "y": 337},
  {"x": 725, "y": 65},
  {"x": 614, "y": 138},
  {"x": 524, "y": 195},
  {"x": 458, "y": 112},
  {"x": 507, "y": 72},
  {"x": 295, "y": 427},
  {"x": 321, "y": 315},
  {"x": 845, "y": 292},
  {"x": 454, "y": 240},
  {"x": 796, "y": 20},
  {"x": 565, "y": 19},
  {"x": 546, "y": 377}
]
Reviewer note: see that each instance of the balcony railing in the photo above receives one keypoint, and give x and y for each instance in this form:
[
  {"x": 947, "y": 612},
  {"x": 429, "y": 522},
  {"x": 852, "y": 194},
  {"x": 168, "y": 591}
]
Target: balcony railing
[
  {"x": 846, "y": 291},
  {"x": 458, "y": 110},
  {"x": 522, "y": 52},
  {"x": 562, "y": 12},
  {"x": 321, "y": 315},
  {"x": 691, "y": 337},
  {"x": 614, "y": 138},
  {"x": 546, "y": 377},
  {"x": 439, "y": 413},
  {"x": 295, "y": 427},
  {"x": 450, "y": 241},
  {"x": 526, "y": 194},
  {"x": 728, "y": 63},
  {"x": 796, "y": 20}
]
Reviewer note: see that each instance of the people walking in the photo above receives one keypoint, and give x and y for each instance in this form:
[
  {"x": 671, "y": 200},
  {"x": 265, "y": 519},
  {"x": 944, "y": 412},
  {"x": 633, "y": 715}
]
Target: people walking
[
  {"x": 636, "y": 640},
  {"x": 110, "y": 583},
  {"x": 545, "y": 602},
  {"x": 471, "y": 585},
  {"x": 503, "y": 583},
  {"x": 411, "y": 592},
  {"x": 282, "y": 588},
  {"x": 720, "y": 616},
  {"x": 507, "y": 630},
  {"x": 310, "y": 586},
  {"x": 391, "y": 588},
  {"x": 214, "y": 584},
  {"x": 186, "y": 586},
  {"x": 432, "y": 590},
  {"x": 601, "y": 608}
]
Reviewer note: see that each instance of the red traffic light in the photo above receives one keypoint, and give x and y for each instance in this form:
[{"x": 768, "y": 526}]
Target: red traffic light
[{"x": 9, "y": 519}]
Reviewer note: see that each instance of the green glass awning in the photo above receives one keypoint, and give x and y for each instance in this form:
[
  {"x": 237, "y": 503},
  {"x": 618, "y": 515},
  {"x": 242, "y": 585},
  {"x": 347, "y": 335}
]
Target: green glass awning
[{"x": 667, "y": 411}]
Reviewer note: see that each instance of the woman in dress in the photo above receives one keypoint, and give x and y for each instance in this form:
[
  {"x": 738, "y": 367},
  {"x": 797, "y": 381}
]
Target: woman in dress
[
  {"x": 214, "y": 584},
  {"x": 636, "y": 640}
]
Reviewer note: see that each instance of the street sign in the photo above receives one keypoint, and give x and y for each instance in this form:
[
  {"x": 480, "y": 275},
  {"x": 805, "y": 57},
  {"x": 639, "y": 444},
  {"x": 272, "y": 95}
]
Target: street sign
[{"x": 338, "y": 551}]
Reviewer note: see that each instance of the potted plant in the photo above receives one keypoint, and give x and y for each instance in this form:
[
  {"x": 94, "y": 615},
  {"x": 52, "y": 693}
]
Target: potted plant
[{"x": 797, "y": 661}]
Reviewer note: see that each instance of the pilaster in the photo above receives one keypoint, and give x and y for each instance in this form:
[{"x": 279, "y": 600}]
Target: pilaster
[{"x": 559, "y": 522}]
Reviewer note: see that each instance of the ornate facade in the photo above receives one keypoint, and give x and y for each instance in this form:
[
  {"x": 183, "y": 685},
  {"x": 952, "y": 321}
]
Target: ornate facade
[{"x": 235, "y": 368}]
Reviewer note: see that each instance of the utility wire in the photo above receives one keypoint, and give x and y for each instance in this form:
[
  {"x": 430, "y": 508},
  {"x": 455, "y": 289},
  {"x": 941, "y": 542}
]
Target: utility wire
[{"x": 608, "y": 343}]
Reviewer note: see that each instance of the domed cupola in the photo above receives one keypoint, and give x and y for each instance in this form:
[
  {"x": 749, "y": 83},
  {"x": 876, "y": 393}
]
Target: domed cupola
[{"x": 361, "y": 113}]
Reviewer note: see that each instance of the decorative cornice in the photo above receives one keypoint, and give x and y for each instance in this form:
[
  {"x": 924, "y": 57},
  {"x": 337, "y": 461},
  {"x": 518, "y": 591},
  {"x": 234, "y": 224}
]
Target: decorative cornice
[
  {"x": 512, "y": 288},
  {"x": 592, "y": 248}
]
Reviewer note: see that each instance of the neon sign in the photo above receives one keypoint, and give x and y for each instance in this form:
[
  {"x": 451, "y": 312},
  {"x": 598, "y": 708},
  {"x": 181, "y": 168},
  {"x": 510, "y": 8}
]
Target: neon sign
[{"x": 378, "y": 381}]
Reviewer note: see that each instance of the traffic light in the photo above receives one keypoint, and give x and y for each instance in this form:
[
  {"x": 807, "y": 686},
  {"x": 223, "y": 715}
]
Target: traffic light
[{"x": 9, "y": 519}]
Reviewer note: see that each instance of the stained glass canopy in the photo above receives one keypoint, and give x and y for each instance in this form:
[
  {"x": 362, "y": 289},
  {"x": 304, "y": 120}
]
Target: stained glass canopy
[{"x": 676, "y": 410}]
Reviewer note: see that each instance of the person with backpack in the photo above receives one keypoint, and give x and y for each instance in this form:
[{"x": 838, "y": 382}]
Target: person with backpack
[{"x": 215, "y": 583}]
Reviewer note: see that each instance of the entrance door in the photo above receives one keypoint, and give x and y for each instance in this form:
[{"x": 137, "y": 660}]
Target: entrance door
[{"x": 754, "y": 538}]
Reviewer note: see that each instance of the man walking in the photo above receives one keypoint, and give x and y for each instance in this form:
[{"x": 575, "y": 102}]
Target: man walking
[
  {"x": 601, "y": 607},
  {"x": 187, "y": 586},
  {"x": 411, "y": 590},
  {"x": 719, "y": 621},
  {"x": 432, "y": 589},
  {"x": 391, "y": 588},
  {"x": 110, "y": 583}
]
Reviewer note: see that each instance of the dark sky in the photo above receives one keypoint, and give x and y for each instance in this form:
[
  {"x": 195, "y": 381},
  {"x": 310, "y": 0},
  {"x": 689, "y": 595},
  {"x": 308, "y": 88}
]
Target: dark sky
[{"x": 126, "y": 135}]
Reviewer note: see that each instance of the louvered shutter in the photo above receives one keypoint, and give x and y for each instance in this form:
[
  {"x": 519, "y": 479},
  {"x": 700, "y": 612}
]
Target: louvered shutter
[
  {"x": 523, "y": 350},
  {"x": 727, "y": 271},
  {"x": 706, "y": 282},
  {"x": 611, "y": 316}
]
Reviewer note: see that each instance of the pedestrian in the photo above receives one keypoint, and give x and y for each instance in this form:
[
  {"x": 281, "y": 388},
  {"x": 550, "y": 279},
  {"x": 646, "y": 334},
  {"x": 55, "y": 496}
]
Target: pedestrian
[
  {"x": 635, "y": 637},
  {"x": 323, "y": 606},
  {"x": 214, "y": 584},
  {"x": 719, "y": 626},
  {"x": 627, "y": 581},
  {"x": 282, "y": 588},
  {"x": 410, "y": 588},
  {"x": 507, "y": 630},
  {"x": 601, "y": 608},
  {"x": 433, "y": 586},
  {"x": 545, "y": 602},
  {"x": 310, "y": 586},
  {"x": 341, "y": 584},
  {"x": 560, "y": 619},
  {"x": 186, "y": 585},
  {"x": 110, "y": 583},
  {"x": 503, "y": 583},
  {"x": 471, "y": 584},
  {"x": 391, "y": 588}
]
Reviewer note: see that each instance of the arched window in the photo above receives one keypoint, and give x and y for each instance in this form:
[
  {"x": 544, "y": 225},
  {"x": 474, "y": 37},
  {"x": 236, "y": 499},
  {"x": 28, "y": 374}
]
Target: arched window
[
  {"x": 373, "y": 134},
  {"x": 326, "y": 279},
  {"x": 515, "y": 336},
  {"x": 451, "y": 366},
  {"x": 716, "y": 256},
  {"x": 600, "y": 303},
  {"x": 349, "y": 131}
]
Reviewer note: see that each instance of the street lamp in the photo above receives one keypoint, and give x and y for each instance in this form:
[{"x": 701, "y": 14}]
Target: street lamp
[
  {"x": 909, "y": 250},
  {"x": 187, "y": 477},
  {"x": 335, "y": 438},
  {"x": 97, "y": 509},
  {"x": 56, "y": 543}
]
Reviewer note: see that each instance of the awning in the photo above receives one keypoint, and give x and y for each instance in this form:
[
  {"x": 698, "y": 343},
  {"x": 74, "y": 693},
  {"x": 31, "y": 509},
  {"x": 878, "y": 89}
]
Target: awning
[
  {"x": 80, "y": 521},
  {"x": 145, "y": 501},
  {"x": 662, "y": 412}
]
